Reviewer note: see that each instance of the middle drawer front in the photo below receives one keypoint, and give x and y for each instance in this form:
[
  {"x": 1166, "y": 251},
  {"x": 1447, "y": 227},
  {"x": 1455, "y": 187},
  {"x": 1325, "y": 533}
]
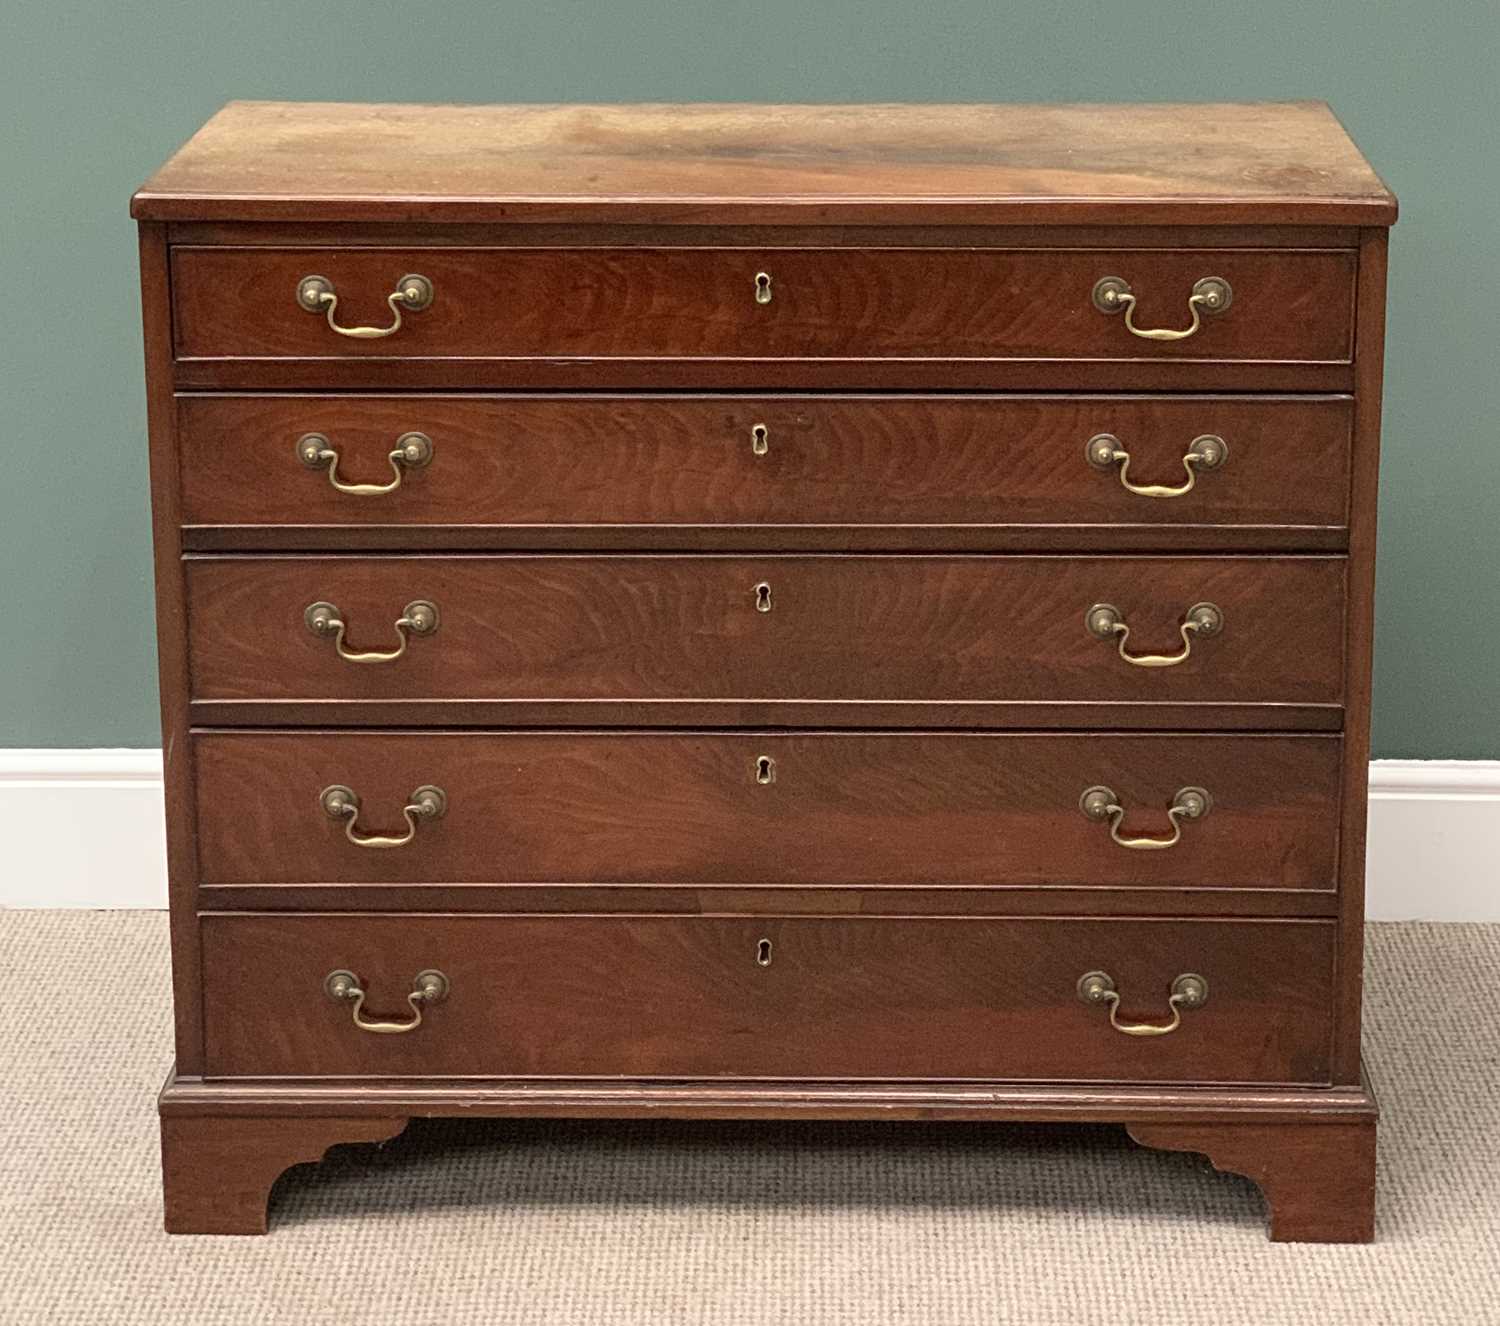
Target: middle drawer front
[
  {"x": 727, "y": 629},
  {"x": 745, "y": 808}
]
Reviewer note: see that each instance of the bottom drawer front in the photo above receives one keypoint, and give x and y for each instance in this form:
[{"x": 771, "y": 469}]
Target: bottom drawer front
[{"x": 700, "y": 997}]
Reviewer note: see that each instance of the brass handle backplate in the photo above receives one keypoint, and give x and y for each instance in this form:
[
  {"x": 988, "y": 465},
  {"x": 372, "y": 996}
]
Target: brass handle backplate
[
  {"x": 419, "y": 617},
  {"x": 1105, "y": 621},
  {"x": 427, "y": 987},
  {"x": 1205, "y": 453},
  {"x": 1188, "y": 991},
  {"x": 1100, "y": 803},
  {"x": 411, "y": 452},
  {"x": 341, "y": 803},
  {"x": 412, "y": 293},
  {"x": 1211, "y": 295}
]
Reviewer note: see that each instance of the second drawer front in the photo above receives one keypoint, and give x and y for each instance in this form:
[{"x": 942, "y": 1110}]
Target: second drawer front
[
  {"x": 929, "y": 629},
  {"x": 774, "y": 808},
  {"x": 735, "y": 997},
  {"x": 660, "y": 463}
]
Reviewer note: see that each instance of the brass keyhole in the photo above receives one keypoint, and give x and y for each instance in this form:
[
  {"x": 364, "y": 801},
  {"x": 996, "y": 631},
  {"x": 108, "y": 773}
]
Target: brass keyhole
[
  {"x": 763, "y": 597},
  {"x": 765, "y": 770},
  {"x": 762, "y": 287},
  {"x": 760, "y": 440},
  {"x": 763, "y": 953}
]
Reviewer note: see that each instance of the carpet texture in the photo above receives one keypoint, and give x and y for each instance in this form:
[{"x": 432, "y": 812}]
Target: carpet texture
[{"x": 602, "y": 1224}]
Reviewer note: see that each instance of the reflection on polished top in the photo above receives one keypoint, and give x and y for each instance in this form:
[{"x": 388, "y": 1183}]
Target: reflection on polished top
[{"x": 1262, "y": 163}]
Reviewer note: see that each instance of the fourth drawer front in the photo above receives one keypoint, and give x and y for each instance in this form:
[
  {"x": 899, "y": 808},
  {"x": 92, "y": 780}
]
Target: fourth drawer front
[
  {"x": 743, "y": 808},
  {"x": 1210, "y": 630},
  {"x": 701, "y": 997}
]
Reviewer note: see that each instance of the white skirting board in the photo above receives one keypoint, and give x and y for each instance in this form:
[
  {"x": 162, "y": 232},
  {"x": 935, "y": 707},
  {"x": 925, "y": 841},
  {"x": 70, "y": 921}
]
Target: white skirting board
[{"x": 85, "y": 830}]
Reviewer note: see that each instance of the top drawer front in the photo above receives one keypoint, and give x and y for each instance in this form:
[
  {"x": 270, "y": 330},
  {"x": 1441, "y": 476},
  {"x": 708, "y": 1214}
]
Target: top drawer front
[{"x": 1287, "y": 306}]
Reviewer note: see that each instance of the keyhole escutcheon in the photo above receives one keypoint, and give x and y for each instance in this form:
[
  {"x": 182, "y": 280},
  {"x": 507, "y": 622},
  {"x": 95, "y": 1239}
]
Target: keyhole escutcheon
[
  {"x": 763, "y": 953},
  {"x": 763, "y": 597},
  {"x": 760, "y": 439},
  {"x": 765, "y": 770},
  {"x": 762, "y": 287}
]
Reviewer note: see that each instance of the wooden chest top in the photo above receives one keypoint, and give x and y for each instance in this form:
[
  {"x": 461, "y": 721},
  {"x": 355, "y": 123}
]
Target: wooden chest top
[{"x": 1265, "y": 163}]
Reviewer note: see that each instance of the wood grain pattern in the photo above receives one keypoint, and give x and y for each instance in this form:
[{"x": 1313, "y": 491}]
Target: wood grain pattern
[
  {"x": 1262, "y": 163},
  {"x": 936, "y": 629},
  {"x": 841, "y": 998},
  {"x": 665, "y": 469},
  {"x": 699, "y": 303},
  {"x": 853, "y": 810}
]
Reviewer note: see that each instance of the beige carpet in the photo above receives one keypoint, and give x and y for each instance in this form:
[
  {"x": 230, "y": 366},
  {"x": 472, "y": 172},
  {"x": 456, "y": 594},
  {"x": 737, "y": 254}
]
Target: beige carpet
[{"x": 590, "y": 1224}]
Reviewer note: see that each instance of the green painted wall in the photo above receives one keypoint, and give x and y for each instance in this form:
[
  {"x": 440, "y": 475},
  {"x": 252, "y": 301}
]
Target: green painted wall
[{"x": 93, "y": 96}]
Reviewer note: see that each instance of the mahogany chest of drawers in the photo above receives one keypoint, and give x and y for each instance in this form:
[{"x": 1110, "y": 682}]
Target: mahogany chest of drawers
[{"x": 738, "y": 611}]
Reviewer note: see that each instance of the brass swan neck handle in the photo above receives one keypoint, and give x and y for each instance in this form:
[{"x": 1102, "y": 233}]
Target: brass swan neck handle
[
  {"x": 1188, "y": 991},
  {"x": 1205, "y": 453},
  {"x": 413, "y": 293},
  {"x": 419, "y": 617},
  {"x": 411, "y": 452},
  {"x": 1100, "y": 804},
  {"x": 1211, "y": 295},
  {"x": 1106, "y": 622},
  {"x": 428, "y": 987},
  {"x": 342, "y": 803}
]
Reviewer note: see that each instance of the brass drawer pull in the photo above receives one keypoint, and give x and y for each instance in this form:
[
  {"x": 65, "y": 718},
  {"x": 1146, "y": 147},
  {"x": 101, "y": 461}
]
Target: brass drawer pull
[
  {"x": 1105, "y": 621},
  {"x": 1188, "y": 991},
  {"x": 428, "y": 987},
  {"x": 1190, "y": 803},
  {"x": 1204, "y": 453},
  {"x": 412, "y": 450},
  {"x": 419, "y": 617},
  {"x": 412, "y": 293},
  {"x": 1211, "y": 295},
  {"x": 341, "y": 803}
]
